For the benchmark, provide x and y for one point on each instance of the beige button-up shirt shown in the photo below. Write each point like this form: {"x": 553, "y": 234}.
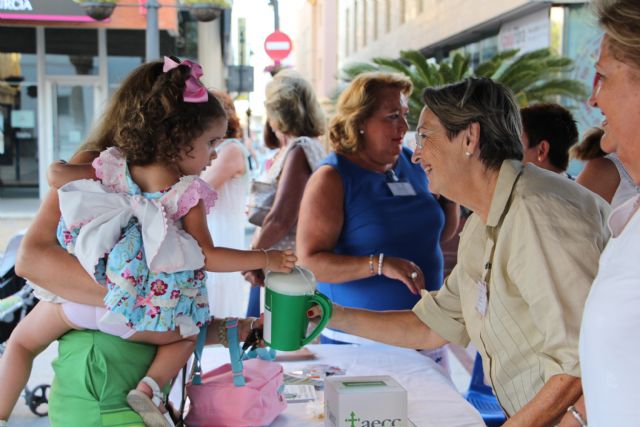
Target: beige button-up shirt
{"x": 539, "y": 254}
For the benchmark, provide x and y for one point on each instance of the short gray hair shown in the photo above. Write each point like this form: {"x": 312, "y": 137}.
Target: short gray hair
{"x": 487, "y": 103}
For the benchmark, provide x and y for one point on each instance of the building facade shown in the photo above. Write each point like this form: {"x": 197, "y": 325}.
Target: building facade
{"x": 316, "y": 56}
{"x": 58, "y": 68}
{"x": 439, "y": 28}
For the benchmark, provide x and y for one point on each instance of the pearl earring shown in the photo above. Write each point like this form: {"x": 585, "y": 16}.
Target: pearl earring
{"x": 361, "y": 131}
{"x": 539, "y": 159}
{"x": 467, "y": 153}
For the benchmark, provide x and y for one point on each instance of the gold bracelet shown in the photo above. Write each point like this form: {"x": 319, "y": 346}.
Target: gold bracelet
{"x": 222, "y": 333}
{"x": 371, "y": 270}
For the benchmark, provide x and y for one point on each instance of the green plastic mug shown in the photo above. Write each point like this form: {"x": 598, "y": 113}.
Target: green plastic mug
{"x": 288, "y": 297}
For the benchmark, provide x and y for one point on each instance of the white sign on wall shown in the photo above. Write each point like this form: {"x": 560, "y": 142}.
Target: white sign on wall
{"x": 528, "y": 33}
{"x": 23, "y": 119}
{"x": 15, "y": 5}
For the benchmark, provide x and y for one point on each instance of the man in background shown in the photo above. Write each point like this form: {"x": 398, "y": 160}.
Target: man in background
{"x": 549, "y": 131}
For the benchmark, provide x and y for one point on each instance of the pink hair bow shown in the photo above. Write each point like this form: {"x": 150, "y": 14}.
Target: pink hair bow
{"x": 194, "y": 90}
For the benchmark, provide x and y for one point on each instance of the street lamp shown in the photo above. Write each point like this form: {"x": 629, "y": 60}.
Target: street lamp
{"x": 152, "y": 34}
{"x": 202, "y": 10}
{"x": 276, "y": 14}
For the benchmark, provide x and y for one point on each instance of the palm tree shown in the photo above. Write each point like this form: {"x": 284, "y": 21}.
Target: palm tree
{"x": 533, "y": 77}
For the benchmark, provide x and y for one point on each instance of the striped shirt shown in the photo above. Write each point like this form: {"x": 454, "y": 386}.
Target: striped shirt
{"x": 538, "y": 254}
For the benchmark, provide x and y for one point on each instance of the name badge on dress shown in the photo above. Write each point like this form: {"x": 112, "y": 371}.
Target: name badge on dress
{"x": 481, "y": 297}
{"x": 401, "y": 188}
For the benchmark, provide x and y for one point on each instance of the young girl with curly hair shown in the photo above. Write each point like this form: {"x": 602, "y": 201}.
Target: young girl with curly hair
{"x": 140, "y": 229}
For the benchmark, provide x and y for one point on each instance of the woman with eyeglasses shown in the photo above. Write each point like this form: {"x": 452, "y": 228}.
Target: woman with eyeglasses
{"x": 526, "y": 259}
{"x": 369, "y": 228}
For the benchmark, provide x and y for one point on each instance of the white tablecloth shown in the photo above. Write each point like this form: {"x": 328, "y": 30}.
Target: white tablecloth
{"x": 433, "y": 399}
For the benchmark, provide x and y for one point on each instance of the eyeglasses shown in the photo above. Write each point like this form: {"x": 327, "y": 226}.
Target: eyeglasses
{"x": 420, "y": 137}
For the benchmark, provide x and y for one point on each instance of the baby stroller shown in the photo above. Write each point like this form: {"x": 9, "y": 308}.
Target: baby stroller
{"x": 16, "y": 300}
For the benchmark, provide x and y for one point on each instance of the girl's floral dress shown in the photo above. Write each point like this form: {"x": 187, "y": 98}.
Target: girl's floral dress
{"x": 134, "y": 243}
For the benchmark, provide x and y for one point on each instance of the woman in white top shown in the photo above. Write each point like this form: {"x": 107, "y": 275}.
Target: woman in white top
{"x": 603, "y": 173}
{"x": 610, "y": 335}
{"x": 229, "y": 175}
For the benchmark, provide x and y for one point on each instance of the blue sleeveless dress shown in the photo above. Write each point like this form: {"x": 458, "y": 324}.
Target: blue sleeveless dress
{"x": 376, "y": 221}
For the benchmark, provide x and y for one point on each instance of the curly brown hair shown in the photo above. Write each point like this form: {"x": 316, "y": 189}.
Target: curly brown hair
{"x": 148, "y": 120}
{"x": 234, "y": 130}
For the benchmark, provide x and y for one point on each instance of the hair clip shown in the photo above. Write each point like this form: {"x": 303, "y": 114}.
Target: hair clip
{"x": 194, "y": 90}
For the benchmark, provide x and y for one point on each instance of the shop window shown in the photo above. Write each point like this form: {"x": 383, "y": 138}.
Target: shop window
{"x": 387, "y": 16}
{"x": 18, "y": 113}
{"x": 126, "y": 51}
{"x": 347, "y": 32}
{"x": 186, "y": 42}
{"x": 356, "y": 41}
{"x": 365, "y": 19}
{"x": 71, "y": 51}
{"x": 375, "y": 19}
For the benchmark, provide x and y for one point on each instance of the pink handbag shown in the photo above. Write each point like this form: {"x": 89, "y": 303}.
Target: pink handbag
{"x": 235, "y": 394}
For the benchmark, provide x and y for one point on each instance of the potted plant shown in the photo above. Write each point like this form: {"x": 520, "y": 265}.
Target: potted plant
{"x": 206, "y": 10}
{"x": 97, "y": 9}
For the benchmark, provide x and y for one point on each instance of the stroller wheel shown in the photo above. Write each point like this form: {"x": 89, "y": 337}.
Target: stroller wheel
{"x": 37, "y": 397}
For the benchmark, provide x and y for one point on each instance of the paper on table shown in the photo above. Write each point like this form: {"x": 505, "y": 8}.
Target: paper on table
{"x": 299, "y": 393}
{"x": 291, "y": 356}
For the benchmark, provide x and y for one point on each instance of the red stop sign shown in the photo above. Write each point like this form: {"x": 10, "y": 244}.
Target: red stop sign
{"x": 278, "y": 45}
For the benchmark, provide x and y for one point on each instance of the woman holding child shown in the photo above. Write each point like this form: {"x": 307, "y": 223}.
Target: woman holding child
{"x": 147, "y": 212}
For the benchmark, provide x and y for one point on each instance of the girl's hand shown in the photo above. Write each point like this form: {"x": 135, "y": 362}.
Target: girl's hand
{"x": 405, "y": 271}
{"x": 280, "y": 261}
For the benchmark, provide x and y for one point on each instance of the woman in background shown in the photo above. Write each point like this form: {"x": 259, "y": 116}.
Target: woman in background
{"x": 603, "y": 173}
{"x": 296, "y": 120}
{"x": 229, "y": 176}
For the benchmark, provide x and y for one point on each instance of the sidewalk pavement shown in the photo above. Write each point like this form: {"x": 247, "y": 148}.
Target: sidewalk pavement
{"x": 41, "y": 373}
{"x": 18, "y": 208}
{"x": 15, "y": 215}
